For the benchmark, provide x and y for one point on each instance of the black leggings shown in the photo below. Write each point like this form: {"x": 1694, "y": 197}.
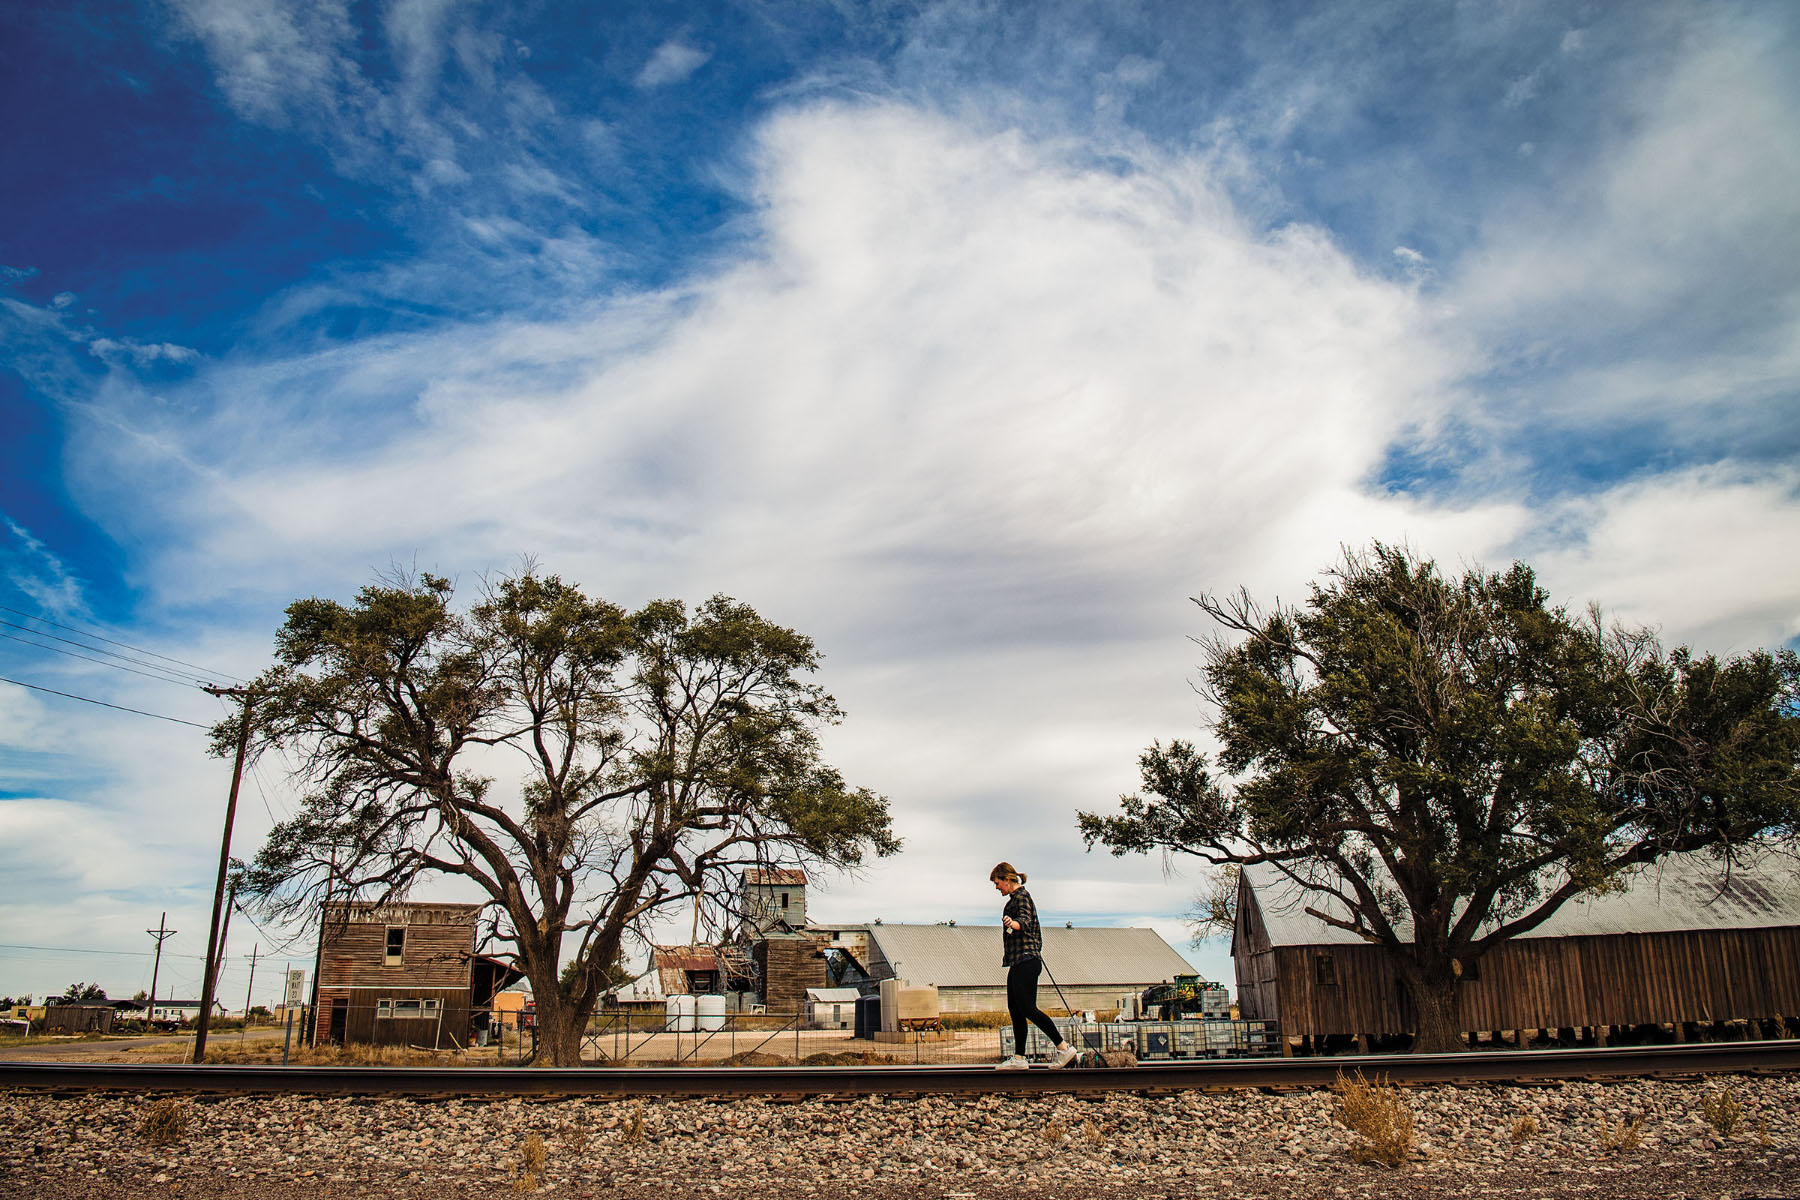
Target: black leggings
{"x": 1021, "y": 1002}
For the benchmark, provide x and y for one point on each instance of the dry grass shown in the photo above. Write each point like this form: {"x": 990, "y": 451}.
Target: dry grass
{"x": 532, "y": 1157}
{"x": 165, "y": 1123}
{"x": 1524, "y": 1129}
{"x": 1055, "y": 1132}
{"x": 1623, "y": 1137}
{"x": 1723, "y": 1112}
{"x": 574, "y": 1139}
{"x": 632, "y": 1132}
{"x": 1092, "y": 1133}
{"x": 1378, "y": 1114}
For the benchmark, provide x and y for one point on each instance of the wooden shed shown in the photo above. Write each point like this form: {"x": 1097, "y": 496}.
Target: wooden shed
{"x": 403, "y": 973}
{"x": 78, "y": 1018}
{"x": 1686, "y": 940}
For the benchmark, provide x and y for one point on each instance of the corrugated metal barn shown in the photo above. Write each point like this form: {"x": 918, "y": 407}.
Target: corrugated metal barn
{"x": 1686, "y": 941}
{"x": 1094, "y": 966}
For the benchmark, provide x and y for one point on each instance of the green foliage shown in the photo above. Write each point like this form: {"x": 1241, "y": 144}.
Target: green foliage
{"x": 664, "y": 751}
{"x": 1444, "y": 761}
{"x": 83, "y": 993}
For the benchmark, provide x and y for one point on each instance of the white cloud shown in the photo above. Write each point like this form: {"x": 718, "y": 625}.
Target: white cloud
{"x": 672, "y": 62}
{"x": 1701, "y": 554}
{"x": 40, "y": 574}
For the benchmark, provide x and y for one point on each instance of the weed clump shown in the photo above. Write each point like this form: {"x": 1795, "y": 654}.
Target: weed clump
{"x": 532, "y": 1157}
{"x": 1092, "y": 1133}
{"x": 1723, "y": 1112}
{"x": 1054, "y": 1132}
{"x": 633, "y": 1131}
{"x": 1524, "y": 1129}
{"x": 165, "y": 1123}
{"x": 1623, "y": 1137}
{"x": 1378, "y": 1114}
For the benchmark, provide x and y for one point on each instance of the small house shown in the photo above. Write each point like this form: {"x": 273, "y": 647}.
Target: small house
{"x": 404, "y": 973}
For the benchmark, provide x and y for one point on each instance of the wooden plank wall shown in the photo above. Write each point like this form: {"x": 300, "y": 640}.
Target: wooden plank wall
{"x": 789, "y": 967}
{"x": 1540, "y": 983}
{"x": 436, "y": 963}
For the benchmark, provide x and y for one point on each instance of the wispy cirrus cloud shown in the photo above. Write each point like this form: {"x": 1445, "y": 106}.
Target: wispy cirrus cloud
{"x": 673, "y": 62}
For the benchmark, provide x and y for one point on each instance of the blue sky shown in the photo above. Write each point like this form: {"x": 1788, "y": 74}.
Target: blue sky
{"x": 970, "y": 338}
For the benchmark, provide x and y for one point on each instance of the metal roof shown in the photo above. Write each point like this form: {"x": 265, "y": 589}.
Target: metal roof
{"x": 831, "y": 995}
{"x": 775, "y": 877}
{"x": 969, "y": 955}
{"x": 1679, "y": 893}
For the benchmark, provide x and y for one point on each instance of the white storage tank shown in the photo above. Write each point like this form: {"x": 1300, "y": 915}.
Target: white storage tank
{"x": 711, "y": 1013}
{"x": 678, "y": 1014}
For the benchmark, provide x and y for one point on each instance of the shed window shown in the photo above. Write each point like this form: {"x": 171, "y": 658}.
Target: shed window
{"x": 396, "y": 945}
{"x": 404, "y": 1009}
{"x": 1325, "y": 970}
{"x": 1471, "y": 970}
{"x": 384, "y": 1008}
{"x": 784, "y": 897}
{"x": 429, "y": 1007}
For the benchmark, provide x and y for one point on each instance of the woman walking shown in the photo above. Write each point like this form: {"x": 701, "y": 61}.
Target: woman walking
{"x": 1023, "y": 944}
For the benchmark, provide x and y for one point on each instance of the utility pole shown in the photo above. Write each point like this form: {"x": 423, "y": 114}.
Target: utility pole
{"x": 248, "y": 988}
{"x": 161, "y": 933}
{"x": 209, "y": 975}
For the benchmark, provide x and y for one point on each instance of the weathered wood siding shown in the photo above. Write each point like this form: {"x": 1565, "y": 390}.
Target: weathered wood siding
{"x": 1537, "y": 983}
{"x": 436, "y": 963}
{"x": 789, "y": 966}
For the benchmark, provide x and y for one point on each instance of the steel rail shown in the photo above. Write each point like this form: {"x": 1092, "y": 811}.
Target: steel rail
{"x": 447, "y": 1082}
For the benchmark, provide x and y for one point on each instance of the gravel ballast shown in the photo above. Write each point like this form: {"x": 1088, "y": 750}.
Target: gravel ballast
{"x": 1189, "y": 1144}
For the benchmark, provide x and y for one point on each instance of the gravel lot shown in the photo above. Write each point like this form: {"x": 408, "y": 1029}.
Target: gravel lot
{"x": 1188, "y": 1145}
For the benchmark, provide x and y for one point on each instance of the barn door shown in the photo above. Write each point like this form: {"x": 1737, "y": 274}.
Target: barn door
{"x": 340, "y": 1018}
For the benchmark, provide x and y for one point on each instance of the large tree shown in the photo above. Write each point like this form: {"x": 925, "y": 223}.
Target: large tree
{"x": 582, "y": 768}
{"x": 1440, "y": 763}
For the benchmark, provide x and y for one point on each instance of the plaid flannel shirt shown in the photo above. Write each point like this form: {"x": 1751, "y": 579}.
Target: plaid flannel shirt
{"x": 1028, "y": 940}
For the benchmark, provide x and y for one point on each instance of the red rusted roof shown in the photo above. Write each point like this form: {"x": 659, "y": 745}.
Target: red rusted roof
{"x": 775, "y": 877}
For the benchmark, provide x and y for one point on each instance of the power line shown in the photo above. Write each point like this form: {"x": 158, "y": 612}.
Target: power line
{"x": 103, "y": 704}
{"x": 122, "y": 645}
{"x": 97, "y": 650}
{"x": 101, "y": 661}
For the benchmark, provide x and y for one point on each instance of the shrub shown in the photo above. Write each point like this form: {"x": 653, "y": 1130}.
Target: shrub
{"x": 1723, "y": 1112}
{"x": 1623, "y": 1137}
{"x": 532, "y": 1156}
{"x": 1377, "y": 1113}
{"x": 164, "y": 1124}
{"x": 633, "y": 1131}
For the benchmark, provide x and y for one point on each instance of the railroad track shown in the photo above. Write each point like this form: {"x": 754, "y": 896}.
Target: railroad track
{"x": 794, "y": 1082}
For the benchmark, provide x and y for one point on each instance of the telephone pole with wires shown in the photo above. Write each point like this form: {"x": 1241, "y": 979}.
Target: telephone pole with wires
{"x": 248, "y": 988}
{"x": 161, "y": 933}
{"x": 210, "y": 974}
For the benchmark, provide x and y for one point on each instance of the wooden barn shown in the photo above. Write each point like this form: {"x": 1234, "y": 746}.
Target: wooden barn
{"x": 1686, "y": 942}
{"x": 404, "y": 974}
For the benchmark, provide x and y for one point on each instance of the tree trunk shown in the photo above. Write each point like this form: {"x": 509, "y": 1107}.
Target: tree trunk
{"x": 1433, "y": 995}
{"x": 559, "y": 1029}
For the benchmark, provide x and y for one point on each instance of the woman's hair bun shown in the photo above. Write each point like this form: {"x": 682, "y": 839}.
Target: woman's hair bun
{"x": 1006, "y": 870}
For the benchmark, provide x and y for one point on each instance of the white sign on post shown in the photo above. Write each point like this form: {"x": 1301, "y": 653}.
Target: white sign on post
{"x": 296, "y": 989}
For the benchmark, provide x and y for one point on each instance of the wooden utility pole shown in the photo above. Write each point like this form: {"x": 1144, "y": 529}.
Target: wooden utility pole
{"x": 210, "y": 974}
{"x": 161, "y": 933}
{"x": 248, "y": 988}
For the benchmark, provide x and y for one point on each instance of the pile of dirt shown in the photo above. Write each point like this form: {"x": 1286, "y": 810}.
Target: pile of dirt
{"x": 849, "y": 1058}
{"x": 755, "y": 1058}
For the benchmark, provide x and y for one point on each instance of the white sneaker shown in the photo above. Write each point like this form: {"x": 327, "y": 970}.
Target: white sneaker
{"x": 1015, "y": 1063}
{"x": 1066, "y": 1055}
